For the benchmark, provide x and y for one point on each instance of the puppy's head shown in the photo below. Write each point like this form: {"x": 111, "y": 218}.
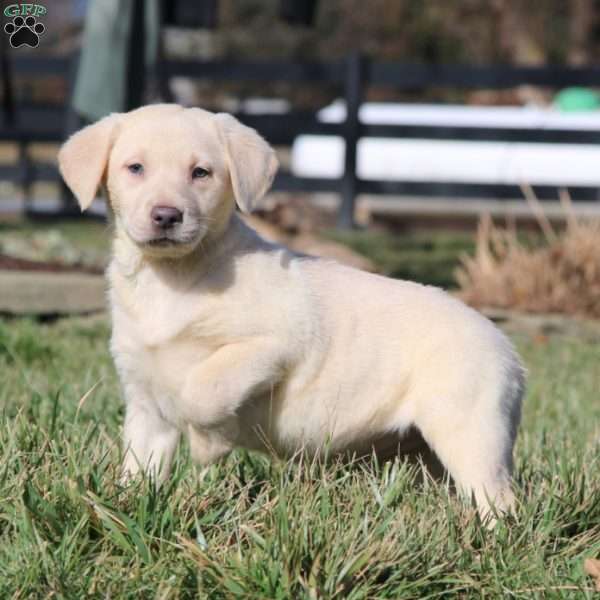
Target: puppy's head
{"x": 173, "y": 174}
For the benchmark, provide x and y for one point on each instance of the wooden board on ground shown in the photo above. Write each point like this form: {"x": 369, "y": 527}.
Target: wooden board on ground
{"x": 45, "y": 293}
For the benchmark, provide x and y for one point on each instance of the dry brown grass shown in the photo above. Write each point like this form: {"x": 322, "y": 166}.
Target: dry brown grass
{"x": 561, "y": 276}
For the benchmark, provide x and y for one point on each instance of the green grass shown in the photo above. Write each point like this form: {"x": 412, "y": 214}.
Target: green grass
{"x": 86, "y": 234}
{"x": 429, "y": 256}
{"x": 69, "y": 241}
{"x": 253, "y": 527}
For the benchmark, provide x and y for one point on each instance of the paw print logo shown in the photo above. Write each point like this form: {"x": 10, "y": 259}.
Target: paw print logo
{"x": 24, "y": 32}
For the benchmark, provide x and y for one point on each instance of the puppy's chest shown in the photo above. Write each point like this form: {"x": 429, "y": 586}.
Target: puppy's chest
{"x": 156, "y": 348}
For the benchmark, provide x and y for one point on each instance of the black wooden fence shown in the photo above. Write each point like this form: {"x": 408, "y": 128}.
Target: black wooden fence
{"x": 352, "y": 77}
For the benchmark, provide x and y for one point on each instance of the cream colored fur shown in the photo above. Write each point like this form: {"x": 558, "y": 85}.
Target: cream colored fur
{"x": 234, "y": 341}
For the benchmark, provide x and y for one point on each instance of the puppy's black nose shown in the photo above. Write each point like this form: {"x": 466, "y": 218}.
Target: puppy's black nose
{"x": 166, "y": 216}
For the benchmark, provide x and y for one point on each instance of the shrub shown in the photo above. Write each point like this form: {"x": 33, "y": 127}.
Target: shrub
{"x": 560, "y": 276}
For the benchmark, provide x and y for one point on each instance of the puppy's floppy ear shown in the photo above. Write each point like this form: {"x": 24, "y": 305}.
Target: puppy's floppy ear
{"x": 83, "y": 158}
{"x": 252, "y": 162}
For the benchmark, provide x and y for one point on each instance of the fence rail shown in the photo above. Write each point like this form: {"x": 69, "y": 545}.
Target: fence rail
{"x": 352, "y": 78}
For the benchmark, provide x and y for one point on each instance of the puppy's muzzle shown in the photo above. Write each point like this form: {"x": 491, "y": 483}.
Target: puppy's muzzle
{"x": 166, "y": 217}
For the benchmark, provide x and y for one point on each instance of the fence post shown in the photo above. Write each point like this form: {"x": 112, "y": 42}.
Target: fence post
{"x": 135, "y": 86}
{"x": 356, "y": 64}
{"x": 8, "y": 97}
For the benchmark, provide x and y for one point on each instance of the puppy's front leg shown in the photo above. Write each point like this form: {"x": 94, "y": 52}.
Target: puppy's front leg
{"x": 218, "y": 386}
{"x": 149, "y": 441}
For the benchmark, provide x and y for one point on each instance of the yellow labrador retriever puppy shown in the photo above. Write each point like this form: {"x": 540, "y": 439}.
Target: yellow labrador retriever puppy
{"x": 234, "y": 341}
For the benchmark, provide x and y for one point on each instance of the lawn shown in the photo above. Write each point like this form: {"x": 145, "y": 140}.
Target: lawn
{"x": 426, "y": 256}
{"x": 255, "y": 527}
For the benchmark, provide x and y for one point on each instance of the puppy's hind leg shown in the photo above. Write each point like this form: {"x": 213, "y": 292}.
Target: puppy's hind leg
{"x": 210, "y": 445}
{"x": 474, "y": 434}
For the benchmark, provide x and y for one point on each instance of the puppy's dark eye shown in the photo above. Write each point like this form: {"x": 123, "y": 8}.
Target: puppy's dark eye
{"x": 200, "y": 173}
{"x": 136, "y": 168}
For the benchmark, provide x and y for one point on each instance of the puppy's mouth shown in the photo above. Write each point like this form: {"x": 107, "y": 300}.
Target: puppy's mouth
{"x": 167, "y": 243}
{"x": 164, "y": 241}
